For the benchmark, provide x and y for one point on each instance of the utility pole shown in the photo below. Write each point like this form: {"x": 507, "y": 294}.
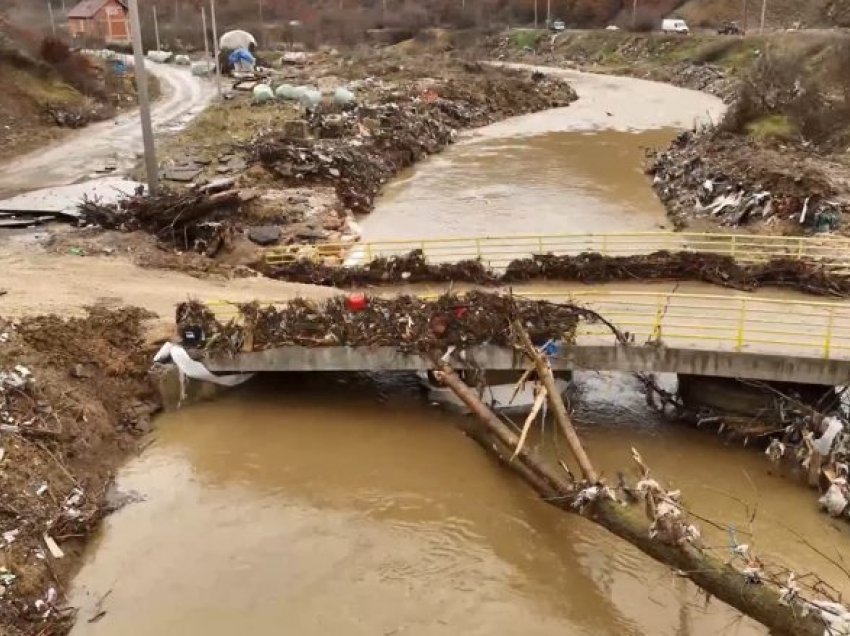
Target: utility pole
{"x": 262, "y": 23}
{"x": 156, "y": 29}
{"x": 206, "y": 38}
{"x": 144, "y": 104}
{"x": 763, "y": 15}
{"x": 215, "y": 49}
{"x": 52, "y": 20}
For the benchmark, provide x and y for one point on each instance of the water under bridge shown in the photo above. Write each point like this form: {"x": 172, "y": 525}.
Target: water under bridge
{"x": 764, "y": 336}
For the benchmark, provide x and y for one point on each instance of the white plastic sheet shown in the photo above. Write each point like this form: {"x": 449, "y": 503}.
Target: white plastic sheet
{"x": 195, "y": 370}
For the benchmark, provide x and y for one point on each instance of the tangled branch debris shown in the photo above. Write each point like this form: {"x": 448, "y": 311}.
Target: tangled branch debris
{"x": 406, "y": 322}
{"x": 186, "y": 220}
{"x": 589, "y": 267}
{"x": 359, "y": 149}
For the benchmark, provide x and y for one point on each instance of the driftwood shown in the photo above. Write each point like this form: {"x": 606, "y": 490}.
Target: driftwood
{"x": 721, "y": 579}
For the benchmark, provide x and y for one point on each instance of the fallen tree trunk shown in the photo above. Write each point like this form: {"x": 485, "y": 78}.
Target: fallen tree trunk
{"x": 721, "y": 579}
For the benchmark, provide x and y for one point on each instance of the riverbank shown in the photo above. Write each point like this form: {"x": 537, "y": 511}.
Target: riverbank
{"x": 776, "y": 169}
{"x": 75, "y": 402}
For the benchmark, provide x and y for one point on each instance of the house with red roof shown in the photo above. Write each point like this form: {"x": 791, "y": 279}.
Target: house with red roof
{"x": 106, "y": 20}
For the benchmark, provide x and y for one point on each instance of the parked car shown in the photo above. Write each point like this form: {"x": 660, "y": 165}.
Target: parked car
{"x": 675, "y": 25}
{"x": 557, "y": 26}
{"x": 730, "y": 28}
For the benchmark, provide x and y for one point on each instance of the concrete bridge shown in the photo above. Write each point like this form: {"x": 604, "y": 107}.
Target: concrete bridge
{"x": 707, "y": 332}
{"x": 720, "y": 335}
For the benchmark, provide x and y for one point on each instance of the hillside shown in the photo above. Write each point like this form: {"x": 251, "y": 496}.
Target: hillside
{"x": 780, "y": 13}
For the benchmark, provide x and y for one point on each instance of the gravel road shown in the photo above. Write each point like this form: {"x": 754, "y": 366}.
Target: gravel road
{"x": 115, "y": 142}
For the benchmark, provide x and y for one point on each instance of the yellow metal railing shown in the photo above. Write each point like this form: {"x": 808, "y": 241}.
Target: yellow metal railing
{"x": 733, "y": 322}
{"x": 498, "y": 251}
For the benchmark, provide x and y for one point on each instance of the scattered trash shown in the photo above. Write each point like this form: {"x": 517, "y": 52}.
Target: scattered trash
{"x": 53, "y": 547}
{"x": 262, "y": 93}
{"x": 707, "y": 174}
{"x": 41, "y": 490}
{"x": 182, "y": 60}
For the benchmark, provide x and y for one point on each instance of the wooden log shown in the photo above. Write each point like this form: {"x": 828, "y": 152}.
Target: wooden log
{"x": 557, "y": 404}
{"x": 526, "y": 460}
{"x": 759, "y": 601}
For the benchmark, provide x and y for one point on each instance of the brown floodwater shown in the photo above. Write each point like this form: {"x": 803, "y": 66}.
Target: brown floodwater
{"x": 348, "y": 505}
{"x": 278, "y": 509}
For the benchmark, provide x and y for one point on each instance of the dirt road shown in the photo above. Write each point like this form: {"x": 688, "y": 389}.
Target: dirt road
{"x": 37, "y": 282}
{"x": 110, "y": 143}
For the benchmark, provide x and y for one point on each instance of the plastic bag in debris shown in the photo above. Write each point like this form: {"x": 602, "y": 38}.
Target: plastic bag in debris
{"x": 310, "y": 98}
{"x": 203, "y": 69}
{"x": 182, "y": 60}
{"x": 823, "y": 444}
{"x": 263, "y": 93}
{"x": 343, "y": 96}
{"x": 285, "y": 91}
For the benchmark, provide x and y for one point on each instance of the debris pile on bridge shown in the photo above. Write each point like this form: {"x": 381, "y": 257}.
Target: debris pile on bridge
{"x": 406, "y": 322}
{"x": 358, "y": 148}
{"x": 198, "y": 220}
{"x": 588, "y": 268}
{"x": 707, "y": 175}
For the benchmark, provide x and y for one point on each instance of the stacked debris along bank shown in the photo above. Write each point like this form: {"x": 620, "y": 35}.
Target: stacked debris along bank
{"x": 74, "y": 396}
{"x": 357, "y": 149}
{"x": 735, "y": 181}
{"x": 587, "y": 268}
{"x": 408, "y": 322}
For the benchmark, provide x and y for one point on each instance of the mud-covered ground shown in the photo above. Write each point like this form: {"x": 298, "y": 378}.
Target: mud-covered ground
{"x": 75, "y": 401}
{"x": 304, "y": 175}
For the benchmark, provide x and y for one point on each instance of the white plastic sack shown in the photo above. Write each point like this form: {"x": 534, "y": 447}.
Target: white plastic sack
{"x": 310, "y": 98}
{"x": 203, "y": 69}
{"x": 823, "y": 444}
{"x": 182, "y": 60}
{"x": 285, "y": 91}
{"x": 343, "y": 96}
{"x": 263, "y": 93}
{"x": 160, "y": 57}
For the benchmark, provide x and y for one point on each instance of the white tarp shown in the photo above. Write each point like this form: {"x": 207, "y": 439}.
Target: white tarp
{"x": 195, "y": 370}
{"x": 233, "y": 40}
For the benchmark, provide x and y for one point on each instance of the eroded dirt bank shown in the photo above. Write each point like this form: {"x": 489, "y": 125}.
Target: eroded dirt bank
{"x": 74, "y": 400}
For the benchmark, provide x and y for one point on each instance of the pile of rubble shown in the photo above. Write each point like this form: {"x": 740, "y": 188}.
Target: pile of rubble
{"x": 357, "y": 148}
{"x": 408, "y": 323}
{"x": 200, "y": 220}
{"x": 728, "y": 179}
{"x": 586, "y": 268}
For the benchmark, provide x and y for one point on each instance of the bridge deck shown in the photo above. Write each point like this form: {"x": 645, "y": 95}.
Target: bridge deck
{"x": 728, "y": 335}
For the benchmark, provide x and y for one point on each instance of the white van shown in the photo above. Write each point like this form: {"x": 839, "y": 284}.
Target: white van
{"x": 675, "y": 25}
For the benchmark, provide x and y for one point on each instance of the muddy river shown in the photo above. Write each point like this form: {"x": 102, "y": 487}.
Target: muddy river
{"x": 348, "y": 505}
